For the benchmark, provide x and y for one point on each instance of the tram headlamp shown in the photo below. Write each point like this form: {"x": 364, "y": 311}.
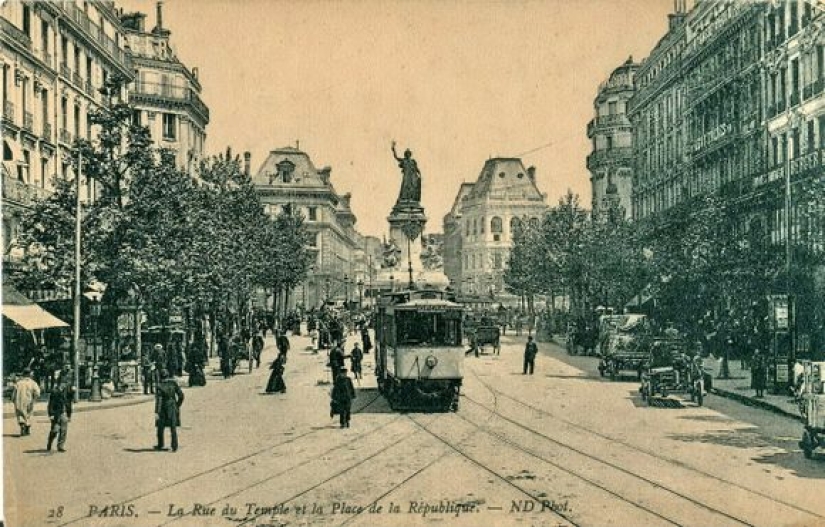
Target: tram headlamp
{"x": 431, "y": 361}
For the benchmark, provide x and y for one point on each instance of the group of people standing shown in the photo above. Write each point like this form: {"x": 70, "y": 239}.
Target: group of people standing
{"x": 61, "y": 396}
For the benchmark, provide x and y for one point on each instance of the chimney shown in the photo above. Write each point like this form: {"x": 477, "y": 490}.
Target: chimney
{"x": 159, "y": 29}
{"x": 531, "y": 173}
{"x": 247, "y": 158}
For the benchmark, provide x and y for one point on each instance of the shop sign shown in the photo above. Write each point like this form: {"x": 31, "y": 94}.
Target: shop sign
{"x": 779, "y": 311}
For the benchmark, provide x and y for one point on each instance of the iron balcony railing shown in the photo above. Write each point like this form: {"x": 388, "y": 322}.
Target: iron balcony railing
{"x": 618, "y": 119}
{"x": 617, "y": 155}
{"x": 15, "y": 34}
{"x": 170, "y": 92}
{"x": 22, "y": 193}
{"x": 109, "y": 45}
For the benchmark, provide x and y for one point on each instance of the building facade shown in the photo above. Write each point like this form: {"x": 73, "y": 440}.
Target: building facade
{"x": 611, "y": 161}
{"x": 288, "y": 181}
{"x": 478, "y": 231}
{"x": 56, "y": 57}
{"x": 166, "y": 94}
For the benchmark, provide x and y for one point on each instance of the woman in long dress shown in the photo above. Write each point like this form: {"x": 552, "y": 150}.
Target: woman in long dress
{"x": 276, "y": 378}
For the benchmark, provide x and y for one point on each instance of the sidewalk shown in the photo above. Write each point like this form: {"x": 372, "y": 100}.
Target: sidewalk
{"x": 738, "y": 388}
{"x": 212, "y": 371}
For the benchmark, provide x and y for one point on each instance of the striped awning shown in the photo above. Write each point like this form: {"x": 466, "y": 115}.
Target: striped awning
{"x": 27, "y": 314}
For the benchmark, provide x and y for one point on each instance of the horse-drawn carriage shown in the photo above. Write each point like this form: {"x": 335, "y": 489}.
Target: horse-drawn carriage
{"x": 481, "y": 332}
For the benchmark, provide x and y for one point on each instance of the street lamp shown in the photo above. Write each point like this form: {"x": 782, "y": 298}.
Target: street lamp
{"x": 360, "y": 285}
{"x": 94, "y": 311}
{"x": 346, "y": 290}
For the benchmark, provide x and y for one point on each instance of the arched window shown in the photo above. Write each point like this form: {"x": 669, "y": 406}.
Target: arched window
{"x": 515, "y": 223}
{"x": 495, "y": 225}
{"x": 481, "y": 225}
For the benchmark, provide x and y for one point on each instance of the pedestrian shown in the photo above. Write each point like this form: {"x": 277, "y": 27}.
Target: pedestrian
{"x": 315, "y": 339}
{"x": 257, "y": 348}
{"x": 365, "y": 339}
{"x": 60, "y": 410}
{"x": 282, "y": 342}
{"x": 148, "y": 372}
{"x": 336, "y": 360}
{"x": 223, "y": 353}
{"x": 758, "y": 373}
{"x": 343, "y": 392}
{"x": 530, "y": 352}
{"x": 356, "y": 356}
{"x": 276, "y": 378}
{"x": 26, "y": 392}
{"x": 168, "y": 400}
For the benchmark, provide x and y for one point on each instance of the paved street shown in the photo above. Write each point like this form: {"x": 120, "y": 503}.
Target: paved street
{"x": 561, "y": 447}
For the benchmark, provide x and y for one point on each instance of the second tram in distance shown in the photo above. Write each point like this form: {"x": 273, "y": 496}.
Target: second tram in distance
{"x": 419, "y": 352}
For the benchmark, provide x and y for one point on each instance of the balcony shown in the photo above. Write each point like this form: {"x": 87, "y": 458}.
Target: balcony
{"x": 47, "y": 132}
{"x": 78, "y": 80}
{"x": 66, "y": 71}
{"x": 606, "y": 121}
{"x": 14, "y": 34}
{"x": 21, "y": 193}
{"x": 28, "y": 121}
{"x": 8, "y": 111}
{"x": 65, "y": 136}
{"x": 96, "y": 34}
{"x": 167, "y": 94}
{"x": 614, "y": 156}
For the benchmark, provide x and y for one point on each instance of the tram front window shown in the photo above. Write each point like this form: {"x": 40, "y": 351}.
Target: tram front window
{"x": 428, "y": 329}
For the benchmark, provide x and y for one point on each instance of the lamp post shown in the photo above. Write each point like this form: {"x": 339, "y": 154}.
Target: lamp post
{"x": 346, "y": 290}
{"x": 94, "y": 311}
{"x": 360, "y": 285}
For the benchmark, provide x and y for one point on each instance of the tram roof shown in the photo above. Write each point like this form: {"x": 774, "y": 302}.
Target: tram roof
{"x": 429, "y": 303}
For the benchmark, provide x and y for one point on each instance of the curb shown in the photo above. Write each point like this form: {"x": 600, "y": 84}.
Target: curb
{"x": 90, "y": 407}
{"x": 757, "y": 403}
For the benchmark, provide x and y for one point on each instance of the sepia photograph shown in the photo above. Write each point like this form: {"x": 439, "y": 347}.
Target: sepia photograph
{"x": 401, "y": 263}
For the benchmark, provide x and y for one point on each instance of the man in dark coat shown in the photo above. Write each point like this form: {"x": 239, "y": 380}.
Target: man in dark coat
{"x": 168, "y": 400}
{"x": 365, "y": 339}
{"x": 257, "y": 348}
{"x": 343, "y": 392}
{"x": 759, "y": 373}
{"x": 530, "y": 352}
{"x": 336, "y": 360}
{"x": 60, "y": 411}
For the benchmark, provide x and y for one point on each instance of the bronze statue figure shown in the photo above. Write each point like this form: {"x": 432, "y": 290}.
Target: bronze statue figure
{"x": 411, "y": 182}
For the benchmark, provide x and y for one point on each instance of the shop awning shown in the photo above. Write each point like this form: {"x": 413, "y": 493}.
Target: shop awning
{"x": 27, "y": 314}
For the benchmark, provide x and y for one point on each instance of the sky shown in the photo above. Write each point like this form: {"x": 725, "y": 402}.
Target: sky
{"x": 457, "y": 82}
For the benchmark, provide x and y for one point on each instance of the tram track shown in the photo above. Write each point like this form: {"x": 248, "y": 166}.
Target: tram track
{"x": 228, "y": 464}
{"x": 629, "y": 473}
{"x": 676, "y": 462}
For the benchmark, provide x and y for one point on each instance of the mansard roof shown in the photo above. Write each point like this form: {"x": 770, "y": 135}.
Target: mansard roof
{"x": 304, "y": 174}
{"x": 506, "y": 179}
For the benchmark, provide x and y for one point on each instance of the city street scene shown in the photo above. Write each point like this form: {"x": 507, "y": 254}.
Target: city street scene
{"x": 391, "y": 263}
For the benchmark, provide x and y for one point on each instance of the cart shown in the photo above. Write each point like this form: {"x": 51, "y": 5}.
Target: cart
{"x": 625, "y": 346}
{"x": 813, "y": 408}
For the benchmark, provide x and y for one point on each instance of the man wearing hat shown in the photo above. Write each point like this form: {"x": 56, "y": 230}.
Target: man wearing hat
{"x": 26, "y": 392}
{"x": 343, "y": 392}
{"x": 168, "y": 400}
{"x": 60, "y": 409}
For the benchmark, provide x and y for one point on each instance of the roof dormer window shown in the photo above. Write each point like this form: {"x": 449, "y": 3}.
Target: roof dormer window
{"x": 285, "y": 170}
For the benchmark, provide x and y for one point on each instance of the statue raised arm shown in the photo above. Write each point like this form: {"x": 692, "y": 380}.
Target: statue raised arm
{"x": 411, "y": 181}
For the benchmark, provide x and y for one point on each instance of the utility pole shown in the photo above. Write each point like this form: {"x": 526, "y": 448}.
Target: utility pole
{"x": 77, "y": 238}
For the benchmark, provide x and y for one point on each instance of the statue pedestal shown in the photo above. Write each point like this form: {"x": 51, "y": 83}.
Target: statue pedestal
{"x": 407, "y": 222}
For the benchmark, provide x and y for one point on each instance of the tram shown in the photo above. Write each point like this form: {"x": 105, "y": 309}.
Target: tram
{"x": 419, "y": 353}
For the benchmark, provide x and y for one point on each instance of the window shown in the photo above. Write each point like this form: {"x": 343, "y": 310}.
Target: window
{"x": 136, "y": 117}
{"x": 64, "y": 113}
{"x": 481, "y": 225}
{"x": 170, "y": 127}
{"x": 497, "y": 260}
{"x": 23, "y": 168}
{"x": 501, "y": 174}
{"x": 76, "y": 121}
{"x": 811, "y": 136}
{"x": 44, "y": 38}
{"x": 429, "y": 329}
{"x": 27, "y": 20}
{"x": 312, "y": 212}
{"x": 611, "y": 108}
{"x": 64, "y": 51}
{"x": 89, "y": 70}
{"x": 608, "y": 142}
{"x": 313, "y": 239}
{"x": 285, "y": 170}
{"x": 44, "y": 170}
{"x": 495, "y": 225}
{"x": 515, "y": 224}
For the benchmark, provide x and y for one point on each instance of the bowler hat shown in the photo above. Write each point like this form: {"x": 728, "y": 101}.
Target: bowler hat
{"x": 27, "y": 371}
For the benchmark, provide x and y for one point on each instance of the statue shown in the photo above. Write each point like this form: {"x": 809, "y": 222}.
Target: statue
{"x": 411, "y": 182}
{"x": 391, "y": 253}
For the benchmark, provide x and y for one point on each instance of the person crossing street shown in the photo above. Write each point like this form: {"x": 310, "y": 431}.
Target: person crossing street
{"x": 60, "y": 411}
{"x": 168, "y": 400}
{"x": 26, "y": 392}
{"x": 530, "y": 352}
